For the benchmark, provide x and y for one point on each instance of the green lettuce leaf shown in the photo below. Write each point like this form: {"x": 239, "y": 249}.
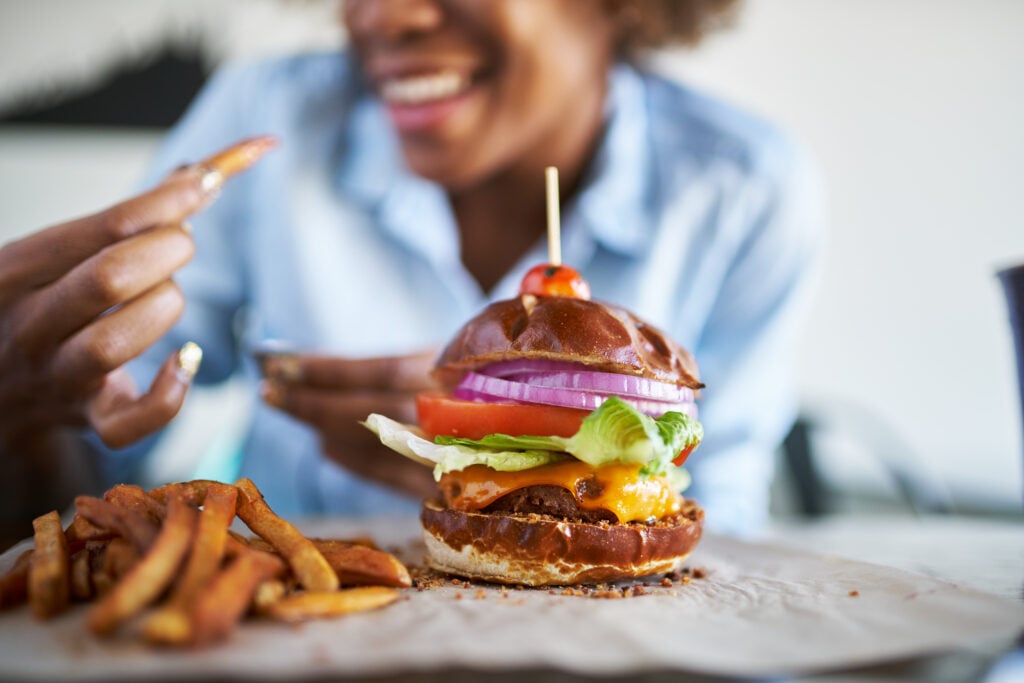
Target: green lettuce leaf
{"x": 410, "y": 442}
{"x": 614, "y": 433}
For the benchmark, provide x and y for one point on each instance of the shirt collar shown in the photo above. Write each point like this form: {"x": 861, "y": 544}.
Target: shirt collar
{"x": 613, "y": 207}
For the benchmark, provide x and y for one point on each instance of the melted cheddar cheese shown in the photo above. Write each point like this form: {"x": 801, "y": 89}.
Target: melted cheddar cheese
{"x": 618, "y": 488}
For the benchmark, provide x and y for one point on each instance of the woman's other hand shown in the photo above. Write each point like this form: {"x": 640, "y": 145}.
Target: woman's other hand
{"x": 335, "y": 394}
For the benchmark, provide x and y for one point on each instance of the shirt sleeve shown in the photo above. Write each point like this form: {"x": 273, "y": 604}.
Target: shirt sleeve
{"x": 749, "y": 347}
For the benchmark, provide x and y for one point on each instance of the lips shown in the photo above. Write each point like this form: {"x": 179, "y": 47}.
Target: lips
{"x": 424, "y": 100}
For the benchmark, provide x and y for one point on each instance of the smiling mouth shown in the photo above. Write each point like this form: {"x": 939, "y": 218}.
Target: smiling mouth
{"x": 423, "y": 88}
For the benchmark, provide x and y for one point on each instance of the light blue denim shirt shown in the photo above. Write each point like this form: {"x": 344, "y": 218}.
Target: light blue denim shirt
{"x": 698, "y": 217}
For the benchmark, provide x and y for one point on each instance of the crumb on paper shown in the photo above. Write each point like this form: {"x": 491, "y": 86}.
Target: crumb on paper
{"x": 854, "y": 593}
{"x": 426, "y": 579}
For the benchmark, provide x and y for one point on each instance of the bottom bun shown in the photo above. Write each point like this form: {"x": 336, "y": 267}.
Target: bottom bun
{"x": 540, "y": 550}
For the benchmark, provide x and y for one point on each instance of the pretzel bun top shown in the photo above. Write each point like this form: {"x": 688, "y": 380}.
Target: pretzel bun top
{"x": 601, "y": 336}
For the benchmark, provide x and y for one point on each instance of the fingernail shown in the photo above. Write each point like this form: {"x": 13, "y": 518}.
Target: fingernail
{"x": 210, "y": 180}
{"x": 186, "y": 226}
{"x": 283, "y": 367}
{"x": 272, "y": 393}
{"x": 189, "y": 358}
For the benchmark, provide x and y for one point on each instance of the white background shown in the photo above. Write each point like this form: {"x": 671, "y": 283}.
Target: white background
{"x": 914, "y": 109}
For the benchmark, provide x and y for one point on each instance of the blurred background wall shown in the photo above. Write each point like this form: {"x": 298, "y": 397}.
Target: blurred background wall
{"x": 914, "y": 109}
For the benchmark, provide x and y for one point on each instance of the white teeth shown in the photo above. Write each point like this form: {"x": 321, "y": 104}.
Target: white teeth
{"x": 419, "y": 89}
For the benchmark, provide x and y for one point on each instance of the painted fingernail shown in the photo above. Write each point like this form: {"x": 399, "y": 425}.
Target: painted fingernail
{"x": 189, "y": 358}
{"x": 272, "y": 393}
{"x": 210, "y": 180}
{"x": 283, "y": 367}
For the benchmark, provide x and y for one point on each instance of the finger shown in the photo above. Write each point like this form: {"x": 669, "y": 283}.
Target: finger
{"x": 121, "y": 417}
{"x": 395, "y": 373}
{"x": 117, "y": 274}
{"x": 116, "y": 338}
{"x": 366, "y": 457}
{"x": 332, "y": 410}
{"x": 44, "y": 256}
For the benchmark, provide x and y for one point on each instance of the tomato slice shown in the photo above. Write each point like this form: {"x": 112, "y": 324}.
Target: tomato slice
{"x": 683, "y": 455}
{"x": 443, "y": 414}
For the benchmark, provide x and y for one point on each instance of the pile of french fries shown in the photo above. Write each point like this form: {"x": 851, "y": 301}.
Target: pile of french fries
{"x": 168, "y": 562}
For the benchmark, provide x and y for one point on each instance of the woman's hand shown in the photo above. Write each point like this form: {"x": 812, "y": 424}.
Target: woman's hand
{"x": 335, "y": 394}
{"x": 80, "y": 299}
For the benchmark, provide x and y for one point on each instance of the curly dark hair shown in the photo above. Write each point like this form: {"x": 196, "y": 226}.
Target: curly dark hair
{"x": 646, "y": 25}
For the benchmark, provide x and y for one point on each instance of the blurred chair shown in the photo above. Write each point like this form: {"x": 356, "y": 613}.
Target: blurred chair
{"x": 910, "y": 486}
{"x": 812, "y": 494}
{"x": 1013, "y": 287}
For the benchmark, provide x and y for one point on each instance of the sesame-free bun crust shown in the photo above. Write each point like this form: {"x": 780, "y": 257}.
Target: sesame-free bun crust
{"x": 598, "y": 335}
{"x": 539, "y": 550}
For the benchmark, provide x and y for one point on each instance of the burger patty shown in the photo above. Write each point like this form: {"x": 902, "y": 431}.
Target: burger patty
{"x": 549, "y": 500}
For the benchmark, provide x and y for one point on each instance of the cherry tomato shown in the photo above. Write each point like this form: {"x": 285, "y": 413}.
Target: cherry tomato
{"x": 443, "y": 414}
{"x": 550, "y": 280}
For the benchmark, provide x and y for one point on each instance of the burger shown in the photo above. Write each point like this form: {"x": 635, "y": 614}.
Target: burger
{"x": 557, "y": 442}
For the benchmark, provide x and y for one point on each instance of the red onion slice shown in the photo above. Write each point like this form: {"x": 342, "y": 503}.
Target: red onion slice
{"x": 573, "y": 376}
{"x": 475, "y": 386}
{"x": 521, "y": 365}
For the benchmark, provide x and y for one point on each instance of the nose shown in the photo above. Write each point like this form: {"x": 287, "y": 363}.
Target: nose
{"x": 391, "y": 20}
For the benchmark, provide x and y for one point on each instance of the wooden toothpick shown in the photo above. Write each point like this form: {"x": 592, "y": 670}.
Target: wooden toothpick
{"x": 554, "y": 222}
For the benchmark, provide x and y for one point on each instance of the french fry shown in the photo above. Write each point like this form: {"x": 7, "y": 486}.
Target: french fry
{"x": 49, "y": 581}
{"x": 170, "y": 624}
{"x": 364, "y": 541}
{"x": 257, "y": 543}
{"x": 229, "y": 594}
{"x": 81, "y": 575}
{"x": 210, "y": 541}
{"x": 319, "y": 605}
{"x": 102, "y": 583}
{"x": 14, "y": 583}
{"x": 151, "y": 575}
{"x": 82, "y": 530}
{"x": 126, "y": 550}
{"x": 119, "y": 558}
{"x": 237, "y": 544}
{"x": 134, "y": 498}
{"x": 307, "y": 563}
{"x": 99, "y": 576}
{"x": 192, "y": 492}
{"x": 357, "y": 565}
{"x": 267, "y": 593}
{"x": 129, "y": 524}
{"x": 240, "y": 156}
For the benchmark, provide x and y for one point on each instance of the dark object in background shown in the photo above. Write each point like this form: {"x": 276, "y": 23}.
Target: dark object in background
{"x": 1013, "y": 287}
{"x": 153, "y": 94}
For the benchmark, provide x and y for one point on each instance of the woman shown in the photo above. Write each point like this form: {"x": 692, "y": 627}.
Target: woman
{"x": 407, "y": 192}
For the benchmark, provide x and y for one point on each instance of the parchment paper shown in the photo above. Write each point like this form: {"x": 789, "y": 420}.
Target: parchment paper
{"x": 761, "y": 610}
